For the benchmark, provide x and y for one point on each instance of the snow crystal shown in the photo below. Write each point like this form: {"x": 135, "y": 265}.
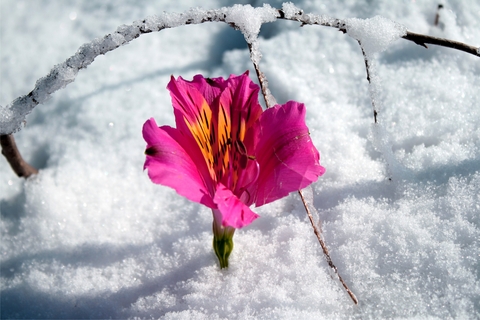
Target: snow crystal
{"x": 170, "y": 20}
{"x": 375, "y": 34}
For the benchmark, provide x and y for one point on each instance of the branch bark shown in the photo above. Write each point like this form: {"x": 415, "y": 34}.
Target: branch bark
{"x": 11, "y": 153}
{"x": 422, "y": 40}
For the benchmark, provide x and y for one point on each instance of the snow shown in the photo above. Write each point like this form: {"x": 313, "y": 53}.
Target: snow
{"x": 249, "y": 20}
{"x": 375, "y": 34}
{"x": 290, "y": 10}
{"x": 91, "y": 237}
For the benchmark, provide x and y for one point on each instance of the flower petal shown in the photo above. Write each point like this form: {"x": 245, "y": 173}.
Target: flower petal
{"x": 210, "y": 88}
{"x": 234, "y": 212}
{"x": 194, "y": 118}
{"x": 239, "y": 101}
{"x": 169, "y": 164}
{"x": 238, "y": 111}
{"x": 190, "y": 107}
{"x": 287, "y": 157}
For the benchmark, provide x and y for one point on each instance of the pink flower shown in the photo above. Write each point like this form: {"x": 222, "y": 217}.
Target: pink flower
{"x": 227, "y": 153}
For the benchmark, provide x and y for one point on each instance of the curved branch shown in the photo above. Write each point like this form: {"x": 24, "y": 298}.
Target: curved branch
{"x": 11, "y": 153}
{"x": 13, "y": 115}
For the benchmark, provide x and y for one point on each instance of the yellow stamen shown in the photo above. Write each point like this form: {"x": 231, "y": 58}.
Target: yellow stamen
{"x": 222, "y": 149}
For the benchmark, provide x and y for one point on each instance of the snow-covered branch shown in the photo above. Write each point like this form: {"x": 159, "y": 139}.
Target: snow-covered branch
{"x": 245, "y": 18}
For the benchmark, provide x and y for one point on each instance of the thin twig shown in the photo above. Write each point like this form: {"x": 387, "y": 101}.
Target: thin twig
{"x": 13, "y": 156}
{"x": 437, "y": 16}
{"x": 422, "y": 40}
{"x": 325, "y": 250}
{"x": 315, "y": 229}
{"x": 367, "y": 67}
{"x": 261, "y": 78}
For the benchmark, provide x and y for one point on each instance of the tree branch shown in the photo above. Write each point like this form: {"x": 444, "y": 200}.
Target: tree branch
{"x": 422, "y": 40}
{"x": 325, "y": 250}
{"x": 10, "y": 151}
{"x": 262, "y": 79}
{"x": 367, "y": 67}
{"x": 61, "y": 75}
{"x": 268, "y": 101}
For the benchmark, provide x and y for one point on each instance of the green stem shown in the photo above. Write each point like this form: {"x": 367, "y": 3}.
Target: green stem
{"x": 222, "y": 239}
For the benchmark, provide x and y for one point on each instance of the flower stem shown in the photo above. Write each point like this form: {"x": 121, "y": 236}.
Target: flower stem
{"x": 223, "y": 246}
{"x": 222, "y": 239}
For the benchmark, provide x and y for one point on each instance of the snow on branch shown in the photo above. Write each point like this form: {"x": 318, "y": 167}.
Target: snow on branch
{"x": 245, "y": 18}
{"x": 242, "y": 17}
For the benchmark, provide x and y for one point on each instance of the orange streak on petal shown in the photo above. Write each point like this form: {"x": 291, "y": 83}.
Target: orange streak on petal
{"x": 201, "y": 128}
{"x": 224, "y": 142}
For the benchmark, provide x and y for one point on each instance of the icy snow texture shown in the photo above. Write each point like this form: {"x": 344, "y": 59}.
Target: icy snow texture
{"x": 92, "y": 237}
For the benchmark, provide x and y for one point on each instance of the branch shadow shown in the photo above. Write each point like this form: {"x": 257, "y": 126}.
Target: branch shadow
{"x": 97, "y": 256}
{"x": 12, "y": 211}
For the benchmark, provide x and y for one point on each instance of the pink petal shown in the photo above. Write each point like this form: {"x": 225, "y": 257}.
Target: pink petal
{"x": 287, "y": 157}
{"x": 238, "y": 111}
{"x": 169, "y": 164}
{"x": 234, "y": 213}
{"x": 240, "y": 100}
{"x": 210, "y": 88}
{"x": 188, "y": 105}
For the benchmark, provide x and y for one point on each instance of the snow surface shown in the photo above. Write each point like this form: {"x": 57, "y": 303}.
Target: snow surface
{"x": 92, "y": 237}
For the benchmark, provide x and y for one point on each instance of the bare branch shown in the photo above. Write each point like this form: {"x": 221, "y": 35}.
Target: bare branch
{"x": 262, "y": 79}
{"x": 325, "y": 250}
{"x": 422, "y": 40}
{"x": 437, "y": 15}
{"x": 367, "y": 67}
{"x": 10, "y": 151}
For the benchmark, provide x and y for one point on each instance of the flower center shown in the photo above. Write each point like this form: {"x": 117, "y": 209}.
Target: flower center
{"x": 220, "y": 139}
